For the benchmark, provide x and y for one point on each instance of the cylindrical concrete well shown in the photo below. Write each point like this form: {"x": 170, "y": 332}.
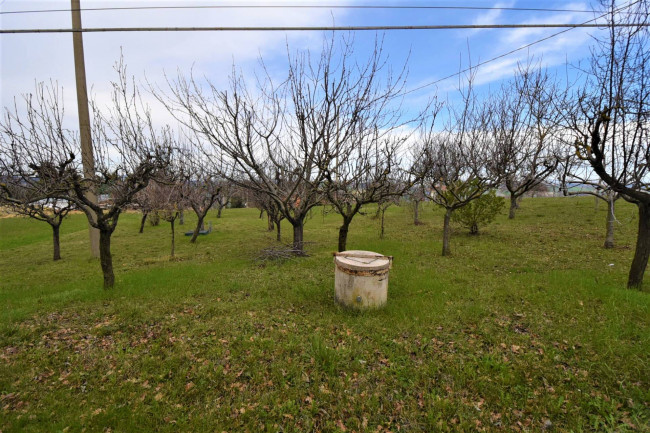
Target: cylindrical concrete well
{"x": 361, "y": 278}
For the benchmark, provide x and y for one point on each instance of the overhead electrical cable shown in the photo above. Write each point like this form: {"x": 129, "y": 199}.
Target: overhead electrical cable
{"x": 587, "y": 24}
{"x": 523, "y": 47}
{"x": 405, "y": 7}
{"x": 569, "y": 26}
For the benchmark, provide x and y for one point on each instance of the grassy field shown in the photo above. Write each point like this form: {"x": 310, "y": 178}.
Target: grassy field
{"x": 527, "y": 327}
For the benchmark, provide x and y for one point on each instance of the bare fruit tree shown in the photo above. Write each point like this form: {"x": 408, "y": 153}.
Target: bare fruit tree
{"x": 247, "y": 131}
{"x": 273, "y": 215}
{"x": 143, "y": 200}
{"x": 167, "y": 200}
{"x": 576, "y": 178}
{"x": 200, "y": 182}
{"x": 226, "y": 191}
{"x": 524, "y": 124}
{"x": 610, "y": 115}
{"x": 36, "y": 154}
{"x": 282, "y": 140}
{"x": 382, "y": 206}
{"x": 128, "y": 151}
{"x": 460, "y": 160}
{"x": 416, "y": 197}
{"x": 49, "y": 210}
{"x": 369, "y": 171}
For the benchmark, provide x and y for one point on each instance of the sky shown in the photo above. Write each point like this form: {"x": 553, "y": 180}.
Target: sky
{"x": 428, "y": 54}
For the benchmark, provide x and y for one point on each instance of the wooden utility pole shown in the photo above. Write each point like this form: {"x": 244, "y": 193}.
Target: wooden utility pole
{"x": 87, "y": 157}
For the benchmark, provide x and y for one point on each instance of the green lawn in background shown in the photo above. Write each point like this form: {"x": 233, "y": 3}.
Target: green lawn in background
{"x": 526, "y": 327}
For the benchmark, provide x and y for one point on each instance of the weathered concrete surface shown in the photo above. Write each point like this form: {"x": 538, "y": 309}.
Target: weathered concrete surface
{"x": 361, "y": 279}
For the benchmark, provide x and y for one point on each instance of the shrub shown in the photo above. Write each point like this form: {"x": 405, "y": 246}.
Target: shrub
{"x": 479, "y": 212}
{"x": 237, "y": 202}
{"x": 154, "y": 218}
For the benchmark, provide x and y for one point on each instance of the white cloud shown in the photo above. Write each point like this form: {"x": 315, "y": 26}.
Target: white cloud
{"x": 41, "y": 57}
{"x": 490, "y": 17}
{"x": 549, "y": 53}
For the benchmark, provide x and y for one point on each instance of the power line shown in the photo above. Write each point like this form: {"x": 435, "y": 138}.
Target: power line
{"x": 455, "y": 74}
{"x": 319, "y": 28}
{"x": 587, "y": 24}
{"x": 523, "y": 47}
{"x": 406, "y": 7}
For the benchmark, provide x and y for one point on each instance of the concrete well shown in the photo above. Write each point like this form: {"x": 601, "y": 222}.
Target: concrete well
{"x": 361, "y": 278}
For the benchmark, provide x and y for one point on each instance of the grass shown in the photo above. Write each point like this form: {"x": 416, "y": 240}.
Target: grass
{"x": 527, "y": 327}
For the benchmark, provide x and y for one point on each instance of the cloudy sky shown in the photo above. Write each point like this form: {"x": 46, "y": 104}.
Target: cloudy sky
{"x": 431, "y": 54}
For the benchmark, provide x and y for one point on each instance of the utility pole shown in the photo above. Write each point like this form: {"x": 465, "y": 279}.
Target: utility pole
{"x": 87, "y": 157}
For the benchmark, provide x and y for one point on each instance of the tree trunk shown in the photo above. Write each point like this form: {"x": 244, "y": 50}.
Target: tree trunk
{"x": 609, "y": 239}
{"x": 642, "y": 252}
{"x": 416, "y": 212}
{"x": 174, "y": 237}
{"x": 473, "y": 230}
{"x": 513, "y": 206}
{"x": 199, "y": 224}
{"x": 278, "y": 232}
{"x": 55, "y": 241}
{"x": 144, "y": 218}
{"x": 381, "y": 233}
{"x": 446, "y": 233}
{"x": 343, "y": 234}
{"x": 181, "y": 218}
{"x": 106, "y": 259}
{"x": 271, "y": 224}
{"x": 261, "y": 213}
{"x": 298, "y": 229}
{"x": 596, "y": 203}
{"x": 219, "y": 208}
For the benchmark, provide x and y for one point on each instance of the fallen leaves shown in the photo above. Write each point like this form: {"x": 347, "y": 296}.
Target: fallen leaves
{"x": 12, "y": 402}
{"x": 390, "y": 382}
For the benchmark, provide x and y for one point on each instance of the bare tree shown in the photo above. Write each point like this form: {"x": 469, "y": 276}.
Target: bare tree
{"x": 362, "y": 134}
{"x": 247, "y": 132}
{"x": 49, "y": 210}
{"x": 285, "y": 139}
{"x": 144, "y": 202}
{"x": 524, "y": 124}
{"x": 17, "y": 197}
{"x": 610, "y": 117}
{"x": 273, "y": 215}
{"x": 200, "y": 182}
{"x": 226, "y": 191}
{"x": 576, "y": 178}
{"x": 167, "y": 200}
{"x": 35, "y": 159}
{"x": 382, "y": 206}
{"x": 128, "y": 154}
{"x": 460, "y": 160}
{"x": 368, "y": 172}
{"x": 415, "y": 197}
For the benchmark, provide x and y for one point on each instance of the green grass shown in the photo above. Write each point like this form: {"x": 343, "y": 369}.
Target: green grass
{"x": 527, "y": 327}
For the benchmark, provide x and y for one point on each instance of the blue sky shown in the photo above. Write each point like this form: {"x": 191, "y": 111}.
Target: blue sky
{"x": 431, "y": 54}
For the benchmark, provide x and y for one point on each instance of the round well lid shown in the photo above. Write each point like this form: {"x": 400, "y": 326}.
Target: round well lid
{"x": 359, "y": 260}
